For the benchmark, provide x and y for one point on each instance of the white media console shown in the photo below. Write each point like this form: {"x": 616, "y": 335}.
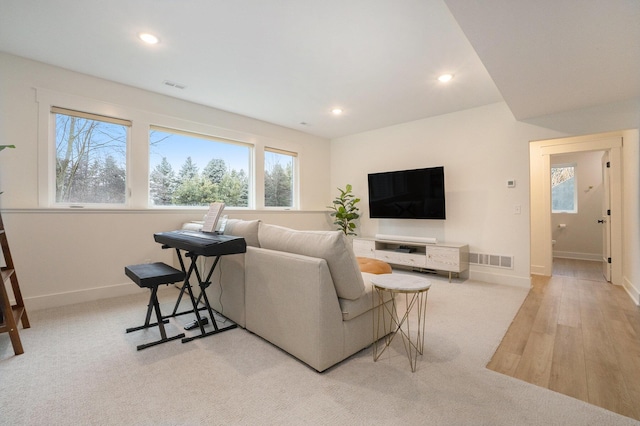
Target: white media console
{"x": 415, "y": 253}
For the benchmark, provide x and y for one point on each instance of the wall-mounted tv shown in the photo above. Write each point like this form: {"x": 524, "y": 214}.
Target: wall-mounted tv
{"x": 407, "y": 194}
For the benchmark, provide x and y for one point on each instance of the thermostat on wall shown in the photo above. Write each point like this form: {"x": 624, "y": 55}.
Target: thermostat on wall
{"x": 511, "y": 183}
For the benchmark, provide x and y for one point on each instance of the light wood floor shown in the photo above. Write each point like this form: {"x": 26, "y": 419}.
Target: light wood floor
{"x": 578, "y": 335}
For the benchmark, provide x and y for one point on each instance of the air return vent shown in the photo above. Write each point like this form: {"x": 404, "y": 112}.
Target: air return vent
{"x": 493, "y": 260}
{"x": 174, "y": 84}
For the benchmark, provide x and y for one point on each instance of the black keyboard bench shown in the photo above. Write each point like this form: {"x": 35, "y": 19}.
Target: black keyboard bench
{"x": 152, "y": 275}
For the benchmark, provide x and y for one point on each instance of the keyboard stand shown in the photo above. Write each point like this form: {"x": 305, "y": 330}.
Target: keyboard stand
{"x": 202, "y": 297}
{"x": 183, "y": 288}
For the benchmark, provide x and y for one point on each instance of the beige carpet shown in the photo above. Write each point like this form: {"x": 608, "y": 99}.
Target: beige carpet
{"x": 80, "y": 368}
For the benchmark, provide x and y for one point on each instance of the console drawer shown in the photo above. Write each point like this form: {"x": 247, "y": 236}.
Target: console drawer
{"x": 364, "y": 248}
{"x": 443, "y": 258}
{"x": 418, "y": 260}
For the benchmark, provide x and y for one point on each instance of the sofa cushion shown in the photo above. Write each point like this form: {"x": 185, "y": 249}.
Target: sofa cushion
{"x": 247, "y": 229}
{"x": 333, "y": 246}
{"x": 354, "y": 308}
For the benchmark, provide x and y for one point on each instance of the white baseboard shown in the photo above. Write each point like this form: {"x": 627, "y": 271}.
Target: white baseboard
{"x": 632, "y": 290}
{"x": 578, "y": 256}
{"x": 497, "y": 278}
{"x": 538, "y": 270}
{"x": 80, "y": 296}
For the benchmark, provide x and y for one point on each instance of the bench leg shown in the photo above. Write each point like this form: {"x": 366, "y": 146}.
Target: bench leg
{"x": 155, "y": 305}
{"x": 150, "y": 306}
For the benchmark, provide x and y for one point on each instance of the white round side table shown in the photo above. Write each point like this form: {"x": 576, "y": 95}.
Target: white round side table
{"x": 415, "y": 290}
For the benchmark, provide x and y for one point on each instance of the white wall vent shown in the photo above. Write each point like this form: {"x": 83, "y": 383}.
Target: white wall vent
{"x": 174, "y": 84}
{"x": 493, "y": 260}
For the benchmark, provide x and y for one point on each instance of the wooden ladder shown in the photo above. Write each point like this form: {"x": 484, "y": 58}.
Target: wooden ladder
{"x": 11, "y": 315}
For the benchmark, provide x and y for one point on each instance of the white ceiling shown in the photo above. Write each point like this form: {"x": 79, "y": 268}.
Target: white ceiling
{"x": 291, "y": 61}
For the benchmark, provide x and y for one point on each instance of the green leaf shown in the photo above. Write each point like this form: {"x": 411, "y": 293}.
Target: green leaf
{"x": 345, "y": 210}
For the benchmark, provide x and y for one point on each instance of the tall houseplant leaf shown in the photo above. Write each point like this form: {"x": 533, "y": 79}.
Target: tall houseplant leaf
{"x": 345, "y": 211}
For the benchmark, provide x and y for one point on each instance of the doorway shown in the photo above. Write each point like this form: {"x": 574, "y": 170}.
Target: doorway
{"x": 540, "y": 154}
{"x": 578, "y": 193}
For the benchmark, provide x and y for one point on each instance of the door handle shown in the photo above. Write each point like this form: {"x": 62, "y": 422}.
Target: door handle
{"x": 600, "y": 220}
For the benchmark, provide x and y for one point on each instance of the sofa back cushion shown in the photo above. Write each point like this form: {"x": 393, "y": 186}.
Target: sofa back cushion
{"x": 247, "y": 229}
{"x": 333, "y": 246}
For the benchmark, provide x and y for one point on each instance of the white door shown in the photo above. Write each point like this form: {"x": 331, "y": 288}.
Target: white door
{"x": 605, "y": 220}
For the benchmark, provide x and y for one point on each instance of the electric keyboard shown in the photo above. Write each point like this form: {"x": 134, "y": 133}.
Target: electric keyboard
{"x": 202, "y": 243}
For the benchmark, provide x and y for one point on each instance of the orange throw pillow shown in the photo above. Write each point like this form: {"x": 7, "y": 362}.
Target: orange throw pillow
{"x": 373, "y": 266}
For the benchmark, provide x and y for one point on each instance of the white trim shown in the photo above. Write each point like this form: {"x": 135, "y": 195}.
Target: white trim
{"x": 596, "y": 257}
{"x": 183, "y": 210}
{"x": 138, "y": 153}
{"x": 47, "y": 100}
{"x": 295, "y": 203}
{"x": 539, "y": 270}
{"x": 280, "y": 151}
{"x": 199, "y": 135}
{"x": 88, "y": 116}
{"x": 632, "y": 290}
{"x": 540, "y": 152}
{"x": 80, "y": 296}
{"x": 498, "y": 278}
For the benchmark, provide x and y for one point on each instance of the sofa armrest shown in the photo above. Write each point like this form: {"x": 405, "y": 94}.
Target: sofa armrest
{"x": 291, "y": 301}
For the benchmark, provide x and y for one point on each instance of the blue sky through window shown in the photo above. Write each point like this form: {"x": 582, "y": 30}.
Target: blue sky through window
{"x": 177, "y": 147}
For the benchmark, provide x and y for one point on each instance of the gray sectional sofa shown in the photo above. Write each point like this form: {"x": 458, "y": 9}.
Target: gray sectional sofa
{"x": 300, "y": 290}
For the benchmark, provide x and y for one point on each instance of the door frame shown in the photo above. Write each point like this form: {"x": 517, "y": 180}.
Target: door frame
{"x": 605, "y": 209}
{"x": 540, "y": 196}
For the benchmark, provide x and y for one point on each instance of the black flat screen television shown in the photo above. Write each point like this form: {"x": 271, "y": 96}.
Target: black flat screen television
{"x": 407, "y": 194}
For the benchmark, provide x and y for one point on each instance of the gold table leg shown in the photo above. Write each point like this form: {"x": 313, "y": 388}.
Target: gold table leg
{"x": 395, "y": 324}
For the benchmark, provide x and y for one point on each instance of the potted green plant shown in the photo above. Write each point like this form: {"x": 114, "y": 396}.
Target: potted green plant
{"x": 345, "y": 211}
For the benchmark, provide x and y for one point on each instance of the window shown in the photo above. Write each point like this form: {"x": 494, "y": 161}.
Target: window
{"x": 564, "y": 194}
{"x": 278, "y": 178}
{"x": 91, "y": 152}
{"x": 99, "y": 155}
{"x": 189, "y": 169}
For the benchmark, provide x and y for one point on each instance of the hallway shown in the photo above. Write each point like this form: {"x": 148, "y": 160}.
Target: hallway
{"x": 578, "y": 335}
{"x": 582, "y": 269}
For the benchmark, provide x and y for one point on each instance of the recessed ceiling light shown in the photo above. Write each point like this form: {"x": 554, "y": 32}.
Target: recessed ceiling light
{"x": 336, "y": 111}
{"x": 445, "y": 78}
{"x": 148, "y": 38}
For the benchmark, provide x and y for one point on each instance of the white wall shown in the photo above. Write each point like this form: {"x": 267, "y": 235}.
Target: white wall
{"x": 66, "y": 256}
{"x": 581, "y": 238}
{"x": 480, "y": 150}
{"x": 19, "y": 125}
{"x": 631, "y": 214}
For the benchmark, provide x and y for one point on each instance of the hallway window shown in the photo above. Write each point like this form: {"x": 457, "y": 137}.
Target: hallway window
{"x": 564, "y": 195}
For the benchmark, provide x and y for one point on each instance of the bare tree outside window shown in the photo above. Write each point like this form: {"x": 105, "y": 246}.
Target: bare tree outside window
{"x": 90, "y": 159}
